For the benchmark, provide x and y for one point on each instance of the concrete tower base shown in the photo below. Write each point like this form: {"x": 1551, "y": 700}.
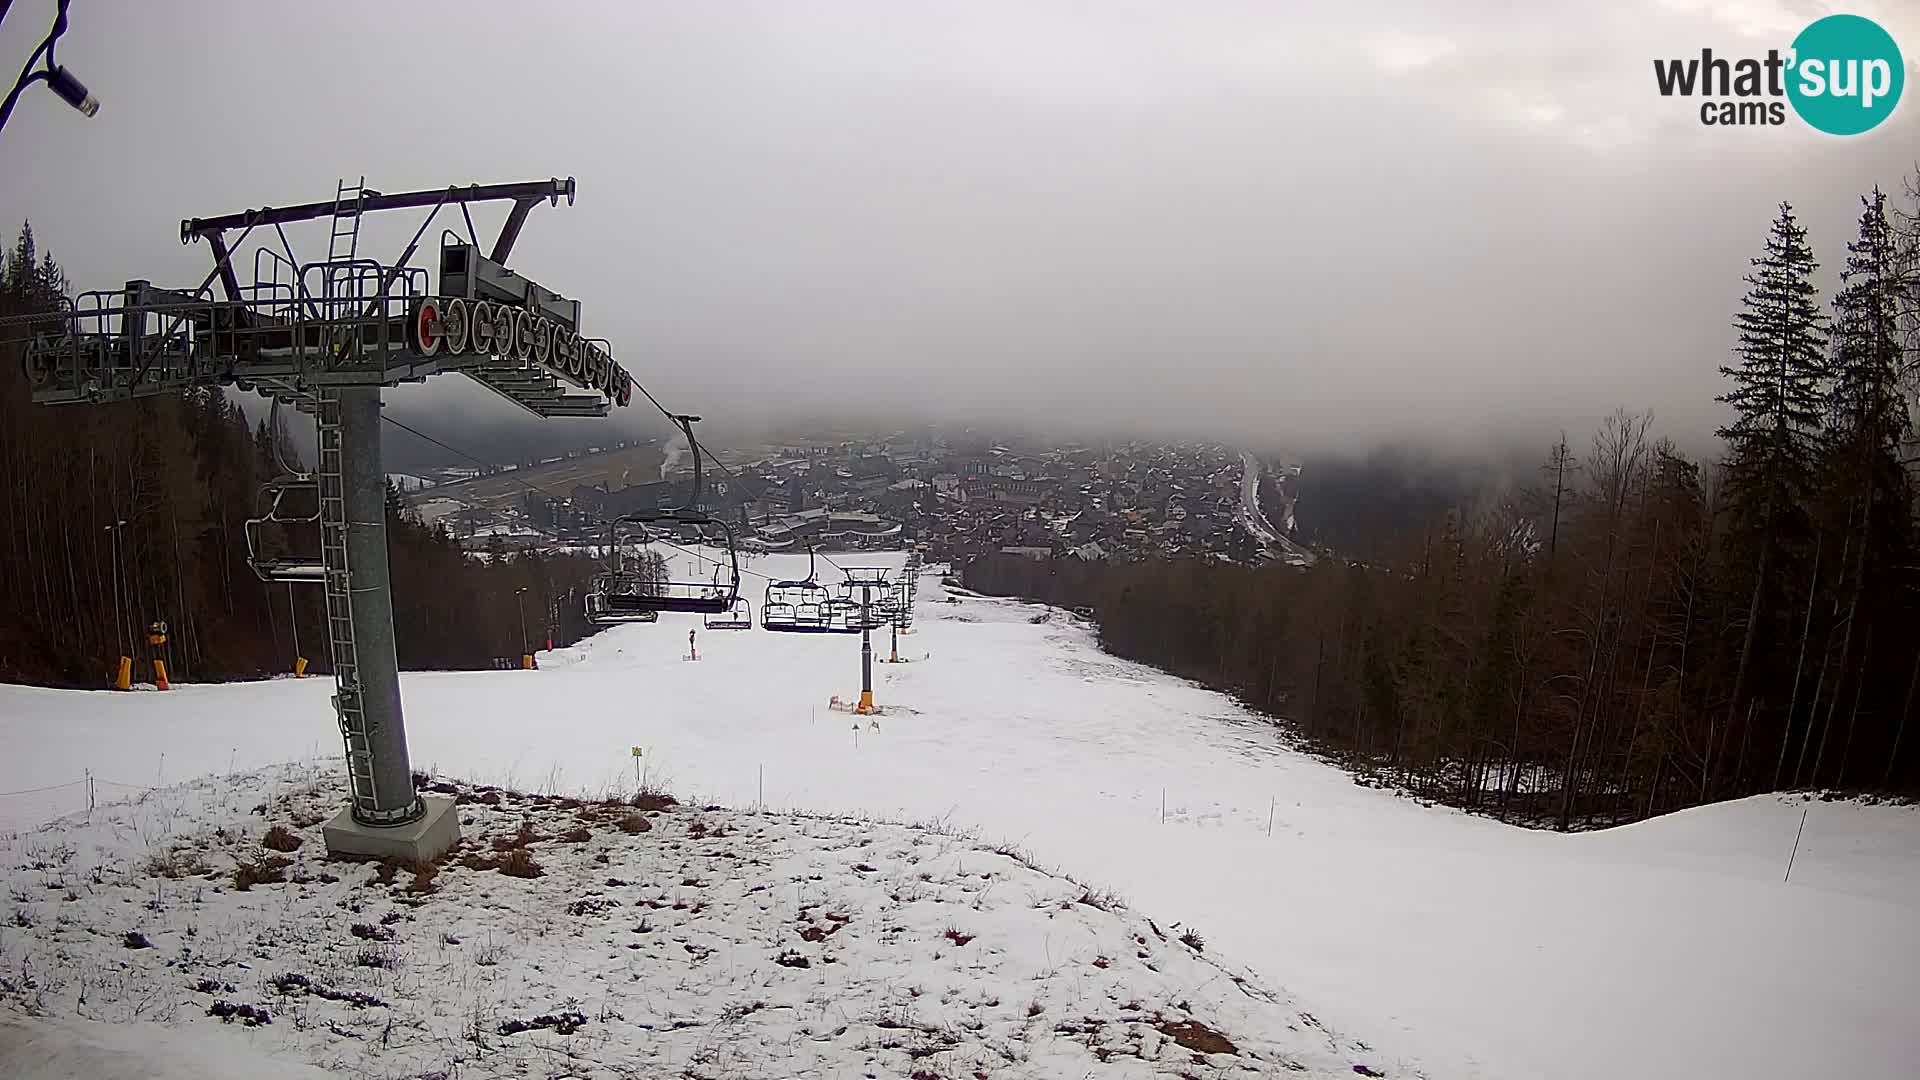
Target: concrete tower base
{"x": 417, "y": 841}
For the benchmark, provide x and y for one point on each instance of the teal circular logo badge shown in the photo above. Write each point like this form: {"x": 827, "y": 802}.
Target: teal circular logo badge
{"x": 1847, "y": 75}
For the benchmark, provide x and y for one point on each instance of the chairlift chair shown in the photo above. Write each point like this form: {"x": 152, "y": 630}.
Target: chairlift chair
{"x": 898, "y": 598}
{"x": 690, "y": 525}
{"x": 739, "y": 617}
{"x": 796, "y": 606}
{"x": 841, "y": 615}
{"x": 611, "y": 598}
{"x": 847, "y": 615}
{"x": 606, "y": 603}
{"x": 284, "y": 566}
{"x": 810, "y": 616}
{"x": 776, "y": 614}
{"x": 684, "y": 593}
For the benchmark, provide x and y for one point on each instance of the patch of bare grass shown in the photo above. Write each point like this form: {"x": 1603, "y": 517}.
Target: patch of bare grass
{"x": 270, "y": 870}
{"x": 1196, "y": 1036}
{"x": 281, "y": 838}
{"x": 651, "y": 799}
{"x": 176, "y": 863}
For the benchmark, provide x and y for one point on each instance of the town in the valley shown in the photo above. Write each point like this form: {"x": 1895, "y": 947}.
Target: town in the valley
{"x": 961, "y": 495}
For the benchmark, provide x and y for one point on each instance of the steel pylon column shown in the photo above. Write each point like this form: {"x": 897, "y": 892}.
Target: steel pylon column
{"x": 380, "y": 776}
{"x": 866, "y": 651}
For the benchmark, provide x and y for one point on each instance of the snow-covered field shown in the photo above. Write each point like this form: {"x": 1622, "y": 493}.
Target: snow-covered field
{"x": 675, "y": 942}
{"x": 1454, "y": 946}
{"x": 409, "y": 482}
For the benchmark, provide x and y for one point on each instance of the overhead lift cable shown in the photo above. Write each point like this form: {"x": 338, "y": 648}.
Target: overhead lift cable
{"x": 674, "y": 419}
{"x": 540, "y": 491}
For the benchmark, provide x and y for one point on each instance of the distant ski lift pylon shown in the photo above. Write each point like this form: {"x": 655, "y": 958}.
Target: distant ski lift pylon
{"x": 856, "y": 609}
{"x": 900, "y": 605}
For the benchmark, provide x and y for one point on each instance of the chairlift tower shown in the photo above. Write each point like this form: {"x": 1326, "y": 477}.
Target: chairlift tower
{"x": 867, "y": 579}
{"x": 327, "y": 337}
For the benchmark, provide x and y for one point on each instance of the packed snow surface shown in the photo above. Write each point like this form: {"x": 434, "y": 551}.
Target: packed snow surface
{"x": 1453, "y": 945}
{"x": 625, "y": 941}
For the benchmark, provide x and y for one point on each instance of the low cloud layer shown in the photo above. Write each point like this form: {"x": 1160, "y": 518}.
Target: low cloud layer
{"x": 1310, "y": 225}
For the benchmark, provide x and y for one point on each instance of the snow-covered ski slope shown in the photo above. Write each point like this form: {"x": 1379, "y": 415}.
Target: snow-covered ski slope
{"x": 1456, "y": 946}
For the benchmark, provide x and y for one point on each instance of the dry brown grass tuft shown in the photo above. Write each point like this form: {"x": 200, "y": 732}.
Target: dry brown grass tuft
{"x": 281, "y": 838}
{"x": 653, "y": 800}
{"x": 520, "y": 839}
{"x": 519, "y": 863}
{"x": 177, "y": 863}
{"x": 1196, "y": 1036}
{"x": 516, "y": 862}
{"x": 268, "y": 871}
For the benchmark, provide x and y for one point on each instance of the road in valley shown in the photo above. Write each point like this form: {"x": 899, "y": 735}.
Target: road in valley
{"x": 1255, "y": 519}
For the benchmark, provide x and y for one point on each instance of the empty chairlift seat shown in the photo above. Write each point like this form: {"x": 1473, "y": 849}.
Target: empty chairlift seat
{"x": 739, "y": 617}
{"x": 612, "y": 600}
{"x": 291, "y": 501}
{"x": 680, "y": 591}
{"x": 795, "y": 607}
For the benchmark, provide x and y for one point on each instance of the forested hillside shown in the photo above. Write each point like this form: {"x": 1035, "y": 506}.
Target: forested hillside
{"x": 1635, "y": 633}
{"x": 1359, "y": 504}
{"x": 116, "y": 516}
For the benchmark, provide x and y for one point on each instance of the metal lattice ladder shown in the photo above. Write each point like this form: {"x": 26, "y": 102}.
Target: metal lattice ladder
{"x": 343, "y": 246}
{"x": 348, "y": 699}
{"x": 347, "y": 201}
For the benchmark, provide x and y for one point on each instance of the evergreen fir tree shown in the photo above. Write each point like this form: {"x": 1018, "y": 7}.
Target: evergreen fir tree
{"x": 1866, "y": 410}
{"x": 1863, "y": 488}
{"x": 1776, "y": 394}
{"x": 1774, "y": 437}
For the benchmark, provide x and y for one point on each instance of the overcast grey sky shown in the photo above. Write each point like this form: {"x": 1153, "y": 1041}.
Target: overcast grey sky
{"x": 1298, "y": 222}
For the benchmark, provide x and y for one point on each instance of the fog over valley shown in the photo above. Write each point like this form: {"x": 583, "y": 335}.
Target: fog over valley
{"x": 1322, "y": 226}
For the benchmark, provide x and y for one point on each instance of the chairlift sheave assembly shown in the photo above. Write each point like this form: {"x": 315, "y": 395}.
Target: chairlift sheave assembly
{"x": 852, "y": 611}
